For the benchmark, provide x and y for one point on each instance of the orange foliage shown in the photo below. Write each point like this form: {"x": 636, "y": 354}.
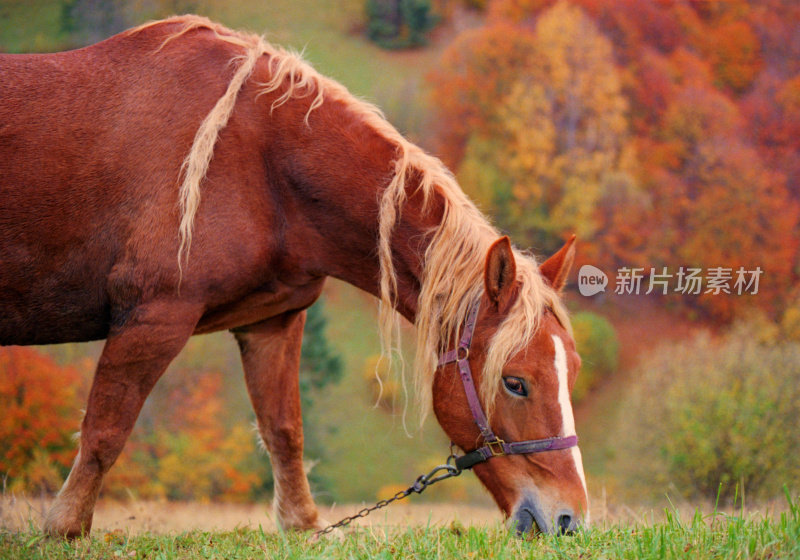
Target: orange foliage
{"x": 734, "y": 51}
{"x": 478, "y": 69}
{"x": 40, "y": 413}
{"x": 183, "y": 450}
{"x": 516, "y": 11}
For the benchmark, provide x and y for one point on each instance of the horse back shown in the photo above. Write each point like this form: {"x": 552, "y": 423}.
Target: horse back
{"x": 91, "y": 145}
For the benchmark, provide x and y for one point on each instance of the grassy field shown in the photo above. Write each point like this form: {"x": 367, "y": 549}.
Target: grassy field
{"x": 716, "y": 535}
{"x": 404, "y": 530}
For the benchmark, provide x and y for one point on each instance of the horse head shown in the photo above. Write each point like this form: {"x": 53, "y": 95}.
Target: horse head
{"x": 533, "y": 467}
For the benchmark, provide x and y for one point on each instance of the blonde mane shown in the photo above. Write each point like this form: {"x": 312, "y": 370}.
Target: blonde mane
{"x": 453, "y": 263}
{"x": 283, "y": 64}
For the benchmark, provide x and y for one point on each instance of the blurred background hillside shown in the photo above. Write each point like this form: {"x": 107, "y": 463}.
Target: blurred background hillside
{"x": 665, "y": 133}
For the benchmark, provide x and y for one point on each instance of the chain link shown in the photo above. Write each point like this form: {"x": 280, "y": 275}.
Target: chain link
{"x": 419, "y": 486}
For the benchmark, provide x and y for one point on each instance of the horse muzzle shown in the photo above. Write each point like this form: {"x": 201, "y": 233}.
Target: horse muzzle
{"x": 529, "y": 518}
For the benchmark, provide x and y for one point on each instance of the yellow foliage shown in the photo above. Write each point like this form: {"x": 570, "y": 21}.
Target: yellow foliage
{"x": 565, "y": 125}
{"x": 388, "y": 490}
{"x": 40, "y": 473}
{"x": 790, "y": 322}
{"x": 384, "y": 389}
{"x": 714, "y": 411}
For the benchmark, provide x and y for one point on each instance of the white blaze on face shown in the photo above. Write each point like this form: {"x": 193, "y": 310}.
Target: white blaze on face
{"x": 567, "y": 419}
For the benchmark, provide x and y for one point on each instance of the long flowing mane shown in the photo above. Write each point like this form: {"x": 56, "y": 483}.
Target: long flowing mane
{"x": 453, "y": 262}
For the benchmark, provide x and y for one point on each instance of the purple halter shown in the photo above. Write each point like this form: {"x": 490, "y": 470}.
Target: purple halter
{"x": 494, "y": 446}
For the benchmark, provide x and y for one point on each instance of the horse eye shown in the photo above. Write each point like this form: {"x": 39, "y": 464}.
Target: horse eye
{"x": 516, "y": 386}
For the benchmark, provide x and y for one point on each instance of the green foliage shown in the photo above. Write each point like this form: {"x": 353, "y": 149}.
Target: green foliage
{"x": 598, "y": 347}
{"x": 320, "y": 365}
{"x": 25, "y": 30}
{"x": 385, "y": 390}
{"x": 89, "y": 21}
{"x": 395, "y": 24}
{"x": 708, "y": 416}
{"x": 483, "y": 179}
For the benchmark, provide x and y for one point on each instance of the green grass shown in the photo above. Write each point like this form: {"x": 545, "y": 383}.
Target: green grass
{"x": 30, "y": 26}
{"x": 711, "y": 536}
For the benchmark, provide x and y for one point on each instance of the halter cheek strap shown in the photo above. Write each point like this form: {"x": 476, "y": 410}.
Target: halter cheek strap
{"x": 494, "y": 446}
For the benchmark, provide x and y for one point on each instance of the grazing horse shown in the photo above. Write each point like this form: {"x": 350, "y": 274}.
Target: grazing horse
{"x": 181, "y": 178}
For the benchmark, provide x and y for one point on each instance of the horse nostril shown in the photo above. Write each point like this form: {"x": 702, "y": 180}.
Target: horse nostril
{"x": 564, "y": 524}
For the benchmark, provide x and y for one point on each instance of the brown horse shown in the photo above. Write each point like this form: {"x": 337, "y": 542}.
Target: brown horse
{"x": 182, "y": 178}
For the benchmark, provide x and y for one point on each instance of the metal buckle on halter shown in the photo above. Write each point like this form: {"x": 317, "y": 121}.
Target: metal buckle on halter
{"x": 462, "y": 353}
{"x": 496, "y": 447}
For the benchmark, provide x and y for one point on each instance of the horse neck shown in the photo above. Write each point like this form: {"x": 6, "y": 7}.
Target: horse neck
{"x": 338, "y": 167}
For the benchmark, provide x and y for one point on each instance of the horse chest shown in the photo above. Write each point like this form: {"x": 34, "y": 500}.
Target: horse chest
{"x": 260, "y": 305}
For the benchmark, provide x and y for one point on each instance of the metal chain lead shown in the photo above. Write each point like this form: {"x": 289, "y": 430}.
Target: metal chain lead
{"x": 419, "y": 486}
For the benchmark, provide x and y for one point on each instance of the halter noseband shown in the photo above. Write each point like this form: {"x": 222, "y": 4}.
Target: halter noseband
{"x": 494, "y": 446}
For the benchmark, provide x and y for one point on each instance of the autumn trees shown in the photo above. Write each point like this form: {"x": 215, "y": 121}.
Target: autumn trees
{"x": 541, "y": 117}
{"x": 40, "y": 412}
{"x": 663, "y": 133}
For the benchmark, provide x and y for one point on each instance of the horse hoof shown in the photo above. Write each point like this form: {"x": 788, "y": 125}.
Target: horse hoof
{"x": 69, "y": 533}
{"x": 56, "y": 525}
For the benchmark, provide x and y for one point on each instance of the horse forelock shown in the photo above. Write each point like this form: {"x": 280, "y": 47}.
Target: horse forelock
{"x": 453, "y": 262}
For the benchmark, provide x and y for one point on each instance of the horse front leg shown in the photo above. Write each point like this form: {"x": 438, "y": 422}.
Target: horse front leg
{"x": 271, "y": 357}
{"x": 134, "y": 357}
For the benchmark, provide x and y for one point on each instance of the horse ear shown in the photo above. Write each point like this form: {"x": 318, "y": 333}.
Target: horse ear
{"x": 500, "y": 272}
{"x": 556, "y": 268}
